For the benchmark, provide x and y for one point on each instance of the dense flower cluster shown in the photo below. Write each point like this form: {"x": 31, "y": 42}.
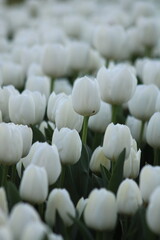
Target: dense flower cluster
{"x": 80, "y": 120}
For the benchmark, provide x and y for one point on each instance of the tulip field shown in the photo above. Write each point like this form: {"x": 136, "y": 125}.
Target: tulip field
{"x": 80, "y": 120}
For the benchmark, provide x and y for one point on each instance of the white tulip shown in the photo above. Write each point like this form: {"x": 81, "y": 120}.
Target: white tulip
{"x": 5, "y": 233}
{"x": 101, "y": 205}
{"x": 69, "y": 145}
{"x": 27, "y": 136}
{"x": 34, "y": 230}
{"x": 86, "y": 96}
{"x": 21, "y": 215}
{"x": 142, "y": 104}
{"x": 114, "y": 82}
{"x": 129, "y": 197}
{"x": 116, "y": 139}
{"x": 153, "y": 131}
{"x": 67, "y": 117}
{"x": 30, "y": 189}
{"x": 149, "y": 180}
{"x": 3, "y": 201}
{"x": 62, "y": 85}
{"x": 59, "y": 200}
{"x": 81, "y": 205}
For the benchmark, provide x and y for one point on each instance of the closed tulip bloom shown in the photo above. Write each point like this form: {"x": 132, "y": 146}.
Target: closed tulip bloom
{"x": 39, "y": 83}
{"x": 5, "y": 94}
{"x": 97, "y": 159}
{"x": 116, "y": 139}
{"x": 142, "y": 104}
{"x": 129, "y": 197}
{"x": 149, "y": 181}
{"x": 47, "y": 156}
{"x": 152, "y": 214}
{"x": 53, "y": 103}
{"x": 27, "y": 136}
{"x": 21, "y": 215}
{"x": 100, "y": 120}
{"x": 30, "y": 188}
{"x": 35, "y": 230}
{"x": 153, "y": 131}
{"x": 59, "y": 200}
{"x": 69, "y": 145}
{"x": 114, "y": 82}
{"x": 54, "y": 60}
{"x": 67, "y": 117}
{"x": 157, "y": 107}
{"x": 132, "y": 163}
{"x": 86, "y": 96}
{"x": 27, "y": 108}
{"x": 11, "y": 143}
{"x": 3, "y": 218}
{"x": 101, "y": 210}
{"x": 53, "y": 236}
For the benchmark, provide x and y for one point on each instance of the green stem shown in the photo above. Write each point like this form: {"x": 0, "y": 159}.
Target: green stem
{"x": 156, "y": 157}
{"x": 52, "y": 85}
{"x": 62, "y": 177}
{"x": 114, "y": 113}
{"x": 85, "y": 128}
{"x": 103, "y": 235}
{"x": 4, "y": 175}
{"x": 141, "y": 134}
{"x": 13, "y": 173}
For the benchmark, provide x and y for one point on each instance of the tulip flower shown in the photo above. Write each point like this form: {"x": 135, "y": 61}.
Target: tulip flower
{"x": 101, "y": 206}
{"x": 59, "y": 200}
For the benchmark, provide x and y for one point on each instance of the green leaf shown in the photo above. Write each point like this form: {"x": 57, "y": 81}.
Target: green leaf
{"x": 82, "y": 228}
{"x": 117, "y": 174}
{"x": 80, "y": 172}
{"x": 12, "y": 194}
{"x": 105, "y": 176}
{"x": 37, "y": 135}
{"x": 48, "y": 133}
{"x": 138, "y": 228}
{"x": 97, "y": 182}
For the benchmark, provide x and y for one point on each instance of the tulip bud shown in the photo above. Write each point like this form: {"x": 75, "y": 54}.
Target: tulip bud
{"x": 153, "y": 131}
{"x": 21, "y": 215}
{"x": 86, "y": 96}
{"x": 149, "y": 180}
{"x": 142, "y": 104}
{"x": 97, "y": 159}
{"x": 27, "y": 108}
{"x": 113, "y": 83}
{"x": 129, "y": 197}
{"x": 5, "y": 94}
{"x": 11, "y": 143}
{"x": 100, "y": 120}
{"x": 132, "y": 163}
{"x": 54, "y": 60}
{"x": 69, "y": 145}
{"x": 34, "y": 230}
{"x": 40, "y": 84}
{"x": 67, "y": 117}
{"x": 101, "y": 205}
{"x": 30, "y": 189}
{"x": 59, "y": 200}
{"x": 47, "y": 156}
{"x": 116, "y": 139}
{"x": 34, "y": 70}
{"x": 152, "y": 214}
{"x": 53, "y": 236}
